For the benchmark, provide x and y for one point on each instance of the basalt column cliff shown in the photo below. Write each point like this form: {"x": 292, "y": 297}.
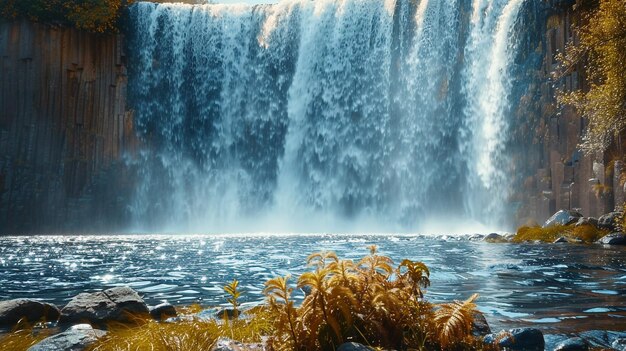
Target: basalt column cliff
{"x": 63, "y": 129}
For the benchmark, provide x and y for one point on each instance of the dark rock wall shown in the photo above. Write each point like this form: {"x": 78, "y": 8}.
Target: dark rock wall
{"x": 558, "y": 175}
{"x": 64, "y": 130}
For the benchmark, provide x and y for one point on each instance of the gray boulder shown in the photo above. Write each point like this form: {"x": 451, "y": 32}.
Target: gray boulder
{"x": 610, "y": 221}
{"x": 495, "y": 238}
{"x": 602, "y": 338}
{"x": 560, "y": 240}
{"x": 32, "y": 311}
{"x": 475, "y": 237}
{"x": 518, "y": 339}
{"x": 120, "y": 304}
{"x": 224, "y": 344}
{"x": 563, "y": 217}
{"x": 480, "y": 327}
{"x": 77, "y": 338}
{"x": 163, "y": 311}
{"x": 613, "y": 239}
{"x": 572, "y": 344}
{"x": 353, "y": 346}
{"x": 619, "y": 344}
{"x": 587, "y": 221}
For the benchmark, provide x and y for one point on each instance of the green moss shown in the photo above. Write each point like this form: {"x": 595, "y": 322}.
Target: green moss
{"x": 585, "y": 233}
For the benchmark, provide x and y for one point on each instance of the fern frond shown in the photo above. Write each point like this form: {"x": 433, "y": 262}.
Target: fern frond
{"x": 454, "y": 320}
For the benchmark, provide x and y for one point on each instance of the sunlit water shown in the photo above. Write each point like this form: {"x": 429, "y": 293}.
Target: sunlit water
{"x": 560, "y": 288}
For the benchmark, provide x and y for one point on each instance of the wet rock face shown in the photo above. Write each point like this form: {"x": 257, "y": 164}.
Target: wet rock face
{"x": 613, "y": 239}
{"x": 163, "y": 311}
{"x": 33, "y": 311}
{"x": 480, "y": 327}
{"x": 118, "y": 304}
{"x": 518, "y": 339}
{"x": 77, "y": 338}
{"x": 563, "y": 217}
{"x": 610, "y": 221}
{"x": 63, "y": 130}
{"x": 572, "y": 344}
{"x": 587, "y": 221}
{"x": 495, "y": 238}
{"x": 602, "y": 339}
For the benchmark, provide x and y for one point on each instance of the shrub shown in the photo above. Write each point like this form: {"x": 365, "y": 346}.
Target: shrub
{"x": 586, "y": 233}
{"x": 92, "y": 15}
{"x": 371, "y": 302}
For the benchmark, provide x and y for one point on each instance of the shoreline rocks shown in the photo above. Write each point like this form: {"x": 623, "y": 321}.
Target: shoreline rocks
{"x": 613, "y": 239}
{"x": 32, "y": 311}
{"x": 76, "y": 338}
{"x": 518, "y": 339}
{"x": 120, "y": 304}
{"x": 562, "y": 217}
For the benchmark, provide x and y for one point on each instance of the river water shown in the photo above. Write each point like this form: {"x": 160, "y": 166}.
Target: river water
{"x": 560, "y": 288}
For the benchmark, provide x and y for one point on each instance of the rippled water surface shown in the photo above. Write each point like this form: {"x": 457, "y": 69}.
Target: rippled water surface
{"x": 559, "y": 287}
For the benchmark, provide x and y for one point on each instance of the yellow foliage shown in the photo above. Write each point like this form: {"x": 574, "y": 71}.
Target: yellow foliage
{"x": 586, "y": 233}
{"x": 372, "y": 302}
{"x": 455, "y": 320}
{"x": 22, "y": 339}
{"x": 185, "y": 335}
{"x": 602, "y": 39}
{"x": 92, "y": 15}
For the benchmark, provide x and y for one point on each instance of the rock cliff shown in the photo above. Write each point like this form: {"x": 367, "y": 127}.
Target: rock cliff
{"x": 559, "y": 176}
{"x": 64, "y": 129}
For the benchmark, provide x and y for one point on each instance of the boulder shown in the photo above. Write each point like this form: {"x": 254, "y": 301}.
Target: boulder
{"x": 120, "y": 304}
{"x": 518, "y": 339}
{"x": 480, "y": 327}
{"x": 77, "y": 338}
{"x": 353, "y": 346}
{"x": 475, "y": 237}
{"x": 224, "y": 344}
{"x": 601, "y": 338}
{"x": 218, "y": 313}
{"x": 619, "y": 344}
{"x": 32, "y": 311}
{"x": 163, "y": 311}
{"x": 495, "y": 238}
{"x": 572, "y": 344}
{"x": 561, "y": 240}
{"x": 562, "y": 217}
{"x": 587, "y": 221}
{"x": 610, "y": 221}
{"x": 613, "y": 239}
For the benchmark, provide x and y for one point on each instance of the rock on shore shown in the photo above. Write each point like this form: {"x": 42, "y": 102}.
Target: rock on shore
{"x": 120, "y": 304}
{"x": 31, "y": 311}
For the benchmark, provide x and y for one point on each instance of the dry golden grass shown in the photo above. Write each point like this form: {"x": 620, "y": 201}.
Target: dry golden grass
{"x": 21, "y": 340}
{"x": 587, "y": 233}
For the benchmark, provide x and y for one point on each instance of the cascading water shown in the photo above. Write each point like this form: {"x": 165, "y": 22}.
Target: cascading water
{"x": 326, "y": 115}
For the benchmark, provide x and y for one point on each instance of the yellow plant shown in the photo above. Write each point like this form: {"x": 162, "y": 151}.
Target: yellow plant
{"x": 372, "y": 302}
{"x": 92, "y": 15}
{"x": 231, "y": 289}
{"x": 455, "y": 320}
{"x": 22, "y": 339}
{"x": 586, "y": 233}
{"x": 599, "y": 48}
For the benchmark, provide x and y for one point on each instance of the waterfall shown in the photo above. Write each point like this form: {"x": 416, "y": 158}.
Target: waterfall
{"x": 326, "y": 115}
